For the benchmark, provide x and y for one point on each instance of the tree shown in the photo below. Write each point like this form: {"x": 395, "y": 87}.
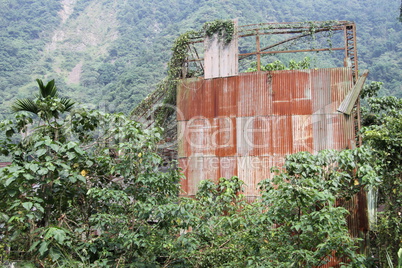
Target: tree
{"x": 382, "y": 131}
{"x": 47, "y": 104}
{"x": 94, "y": 197}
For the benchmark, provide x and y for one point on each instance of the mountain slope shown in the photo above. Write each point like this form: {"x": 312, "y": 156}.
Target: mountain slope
{"x": 111, "y": 54}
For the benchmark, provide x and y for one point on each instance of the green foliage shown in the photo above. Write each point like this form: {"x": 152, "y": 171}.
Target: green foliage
{"x": 125, "y": 54}
{"x": 25, "y": 28}
{"x": 389, "y": 260}
{"x": 166, "y": 89}
{"x": 224, "y": 29}
{"x": 371, "y": 90}
{"x": 297, "y": 222}
{"x": 278, "y": 65}
{"x": 382, "y": 131}
{"x": 47, "y": 104}
{"x": 91, "y": 194}
{"x": 400, "y": 13}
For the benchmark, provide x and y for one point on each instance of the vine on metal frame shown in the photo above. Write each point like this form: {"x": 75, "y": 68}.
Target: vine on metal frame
{"x": 225, "y": 30}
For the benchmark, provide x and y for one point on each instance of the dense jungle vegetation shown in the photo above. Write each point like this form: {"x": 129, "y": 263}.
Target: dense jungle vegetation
{"x": 86, "y": 187}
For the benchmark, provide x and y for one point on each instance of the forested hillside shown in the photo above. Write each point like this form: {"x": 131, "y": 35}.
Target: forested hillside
{"x": 111, "y": 54}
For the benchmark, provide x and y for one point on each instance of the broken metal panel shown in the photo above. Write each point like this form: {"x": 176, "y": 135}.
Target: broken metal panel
{"x": 332, "y": 131}
{"x": 330, "y": 87}
{"x": 350, "y": 100}
{"x": 341, "y": 83}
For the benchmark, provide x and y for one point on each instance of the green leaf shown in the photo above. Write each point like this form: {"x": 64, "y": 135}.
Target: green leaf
{"x": 54, "y": 253}
{"x": 34, "y": 167}
{"x": 10, "y": 132}
{"x": 71, "y": 155}
{"x": 40, "y": 152}
{"x": 71, "y": 145}
{"x": 39, "y": 207}
{"x": 55, "y": 147}
{"x": 34, "y": 245}
{"x": 43, "y": 248}
{"x": 12, "y": 192}
{"x": 28, "y": 105}
{"x": 82, "y": 178}
{"x": 57, "y": 234}
{"x": 43, "y": 171}
{"x": 27, "y": 205}
{"x": 79, "y": 151}
{"x": 39, "y": 143}
{"x": 9, "y": 181}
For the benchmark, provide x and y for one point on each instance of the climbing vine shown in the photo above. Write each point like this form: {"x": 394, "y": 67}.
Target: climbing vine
{"x": 166, "y": 90}
{"x": 224, "y": 28}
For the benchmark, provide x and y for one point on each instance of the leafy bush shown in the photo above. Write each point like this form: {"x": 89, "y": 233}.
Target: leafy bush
{"x": 85, "y": 187}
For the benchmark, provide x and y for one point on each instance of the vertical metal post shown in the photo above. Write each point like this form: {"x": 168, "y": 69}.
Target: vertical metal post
{"x": 351, "y": 48}
{"x": 351, "y": 55}
{"x": 257, "y": 41}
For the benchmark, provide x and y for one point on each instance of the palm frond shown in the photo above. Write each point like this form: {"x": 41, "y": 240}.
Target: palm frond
{"x": 68, "y": 104}
{"x": 27, "y": 105}
{"x": 49, "y": 90}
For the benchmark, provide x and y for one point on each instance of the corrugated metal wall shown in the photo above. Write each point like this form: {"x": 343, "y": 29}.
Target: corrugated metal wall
{"x": 244, "y": 125}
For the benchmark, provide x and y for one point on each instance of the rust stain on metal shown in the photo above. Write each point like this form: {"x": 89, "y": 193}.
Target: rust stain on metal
{"x": 245, "y": 124}
{"x": 256, "y": 119}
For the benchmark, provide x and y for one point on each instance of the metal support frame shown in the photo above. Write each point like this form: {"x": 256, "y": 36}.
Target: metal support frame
{"x": 351, "y": 48}
{"x": 351, "y": 56}
{"x": 258, "y": 52}
{"x": 301, "y": 30}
